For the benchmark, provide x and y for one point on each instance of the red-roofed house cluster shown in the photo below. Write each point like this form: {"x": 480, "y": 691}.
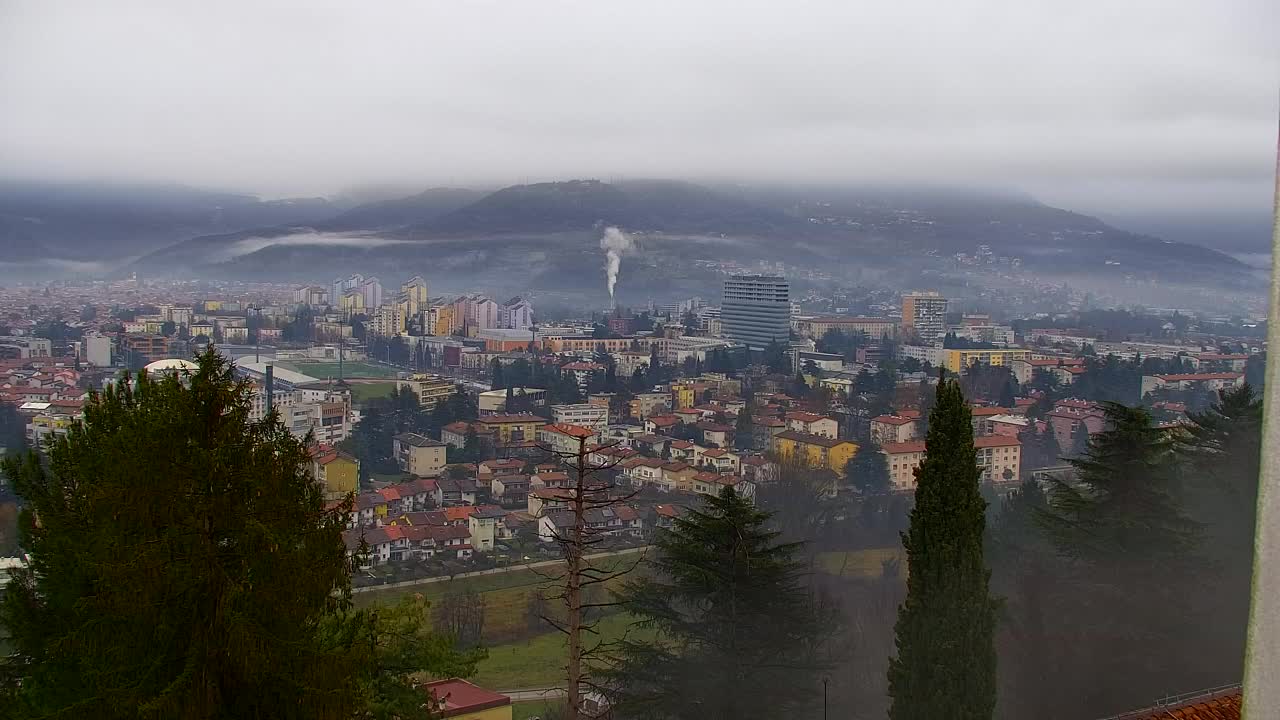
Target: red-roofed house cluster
{"x": 44, "y": 391}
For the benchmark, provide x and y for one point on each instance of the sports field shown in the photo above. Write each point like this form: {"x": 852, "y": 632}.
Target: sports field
{"x": 363, "y": 392}
{"x": 324, "y": 370}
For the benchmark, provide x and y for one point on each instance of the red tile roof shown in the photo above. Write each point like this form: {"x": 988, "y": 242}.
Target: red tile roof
{"x": 502, "y": 464}
{"x": 1195, "y": 377}
{"x": 911, "y": 446}
{"x": 892, "y": 420}
{"x": 457, "y": 513}
{"x": 575, "y": 431}
{"x": 460, "y": 697}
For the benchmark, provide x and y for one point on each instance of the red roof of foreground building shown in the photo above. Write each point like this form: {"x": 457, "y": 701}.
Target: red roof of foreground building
{"x": 456, "y": 697}
{"x": 1223, "y": 704}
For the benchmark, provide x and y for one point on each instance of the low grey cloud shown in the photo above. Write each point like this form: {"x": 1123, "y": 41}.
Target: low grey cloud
{"x": 1097, "y": 103}
{"x": 253, "y": 244}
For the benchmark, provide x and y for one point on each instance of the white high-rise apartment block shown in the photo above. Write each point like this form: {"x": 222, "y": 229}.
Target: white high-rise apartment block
{"x": 97, "y": 350}
{"x": 924, "y": 314}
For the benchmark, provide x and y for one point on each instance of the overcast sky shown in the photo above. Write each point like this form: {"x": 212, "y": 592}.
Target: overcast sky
{"x": 1096, "y": 104}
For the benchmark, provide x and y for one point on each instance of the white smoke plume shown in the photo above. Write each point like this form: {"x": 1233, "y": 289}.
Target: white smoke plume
{"x": 614, "y": 243}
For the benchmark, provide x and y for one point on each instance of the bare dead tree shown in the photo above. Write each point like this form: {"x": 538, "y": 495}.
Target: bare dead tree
{"x": 461, "y": 616}
{"x": 591, "y": 496}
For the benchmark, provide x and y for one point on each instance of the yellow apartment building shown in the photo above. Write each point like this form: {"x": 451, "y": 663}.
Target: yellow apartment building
{"x": 337, "y": 472}
{"x": 508, "y": 429}
{"x": 813, "y": 450}
{"x": 957, "y": 361}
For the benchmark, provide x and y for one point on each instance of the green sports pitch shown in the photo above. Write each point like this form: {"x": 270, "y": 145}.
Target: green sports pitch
{"x": 326, "y": 370}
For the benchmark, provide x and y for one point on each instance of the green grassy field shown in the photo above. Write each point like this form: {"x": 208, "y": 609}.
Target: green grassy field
{"x": 362, "y": 393}
{"x": 859, "y": 563}
{"x": 522, "y": 580}
{"x": 324, "y": 370}
{"x": 535, "y": 709}
{"x": 506, "y": 597}
{"x": 539, "y": 662}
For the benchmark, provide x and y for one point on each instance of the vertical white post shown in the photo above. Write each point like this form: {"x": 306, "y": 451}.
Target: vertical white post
{"x": 1262, "y": 656}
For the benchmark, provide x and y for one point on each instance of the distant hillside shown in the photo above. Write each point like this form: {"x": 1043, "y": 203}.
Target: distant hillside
{"x": 545, "y": 236}
{"x": 665, "y": 206}
{"x": 399, "y": 212}
{"x": 948, "y": 221}
{"x": 88, "y": 222}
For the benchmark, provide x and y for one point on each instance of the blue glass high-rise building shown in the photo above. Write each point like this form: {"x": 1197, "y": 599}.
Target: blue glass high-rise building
{"x": 756, "y": 310}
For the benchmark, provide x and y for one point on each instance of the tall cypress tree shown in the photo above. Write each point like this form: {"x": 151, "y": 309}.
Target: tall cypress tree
{"x": 946, "y": 662}
{"x": 183, "y": 566}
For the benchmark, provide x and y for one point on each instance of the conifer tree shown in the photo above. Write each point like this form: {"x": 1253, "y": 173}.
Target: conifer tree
{"x": 1123, "y": 503}
{"x": 183, "y": 565}
{"x": 1130, "y": 544}
{"x": 496, "y": 379}
{"x": 743, "y": 429}
{"x": 946, "y": 661}
{"x": 1223, "y": 450}
{"x": 1079, "y": 439}
{"x": 867, "y": 470}
{"x": 738, "y": 634}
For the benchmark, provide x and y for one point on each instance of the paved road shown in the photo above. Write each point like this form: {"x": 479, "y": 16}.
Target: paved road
{"x": 492, "y": 571}
{"x": 530, "y": 694}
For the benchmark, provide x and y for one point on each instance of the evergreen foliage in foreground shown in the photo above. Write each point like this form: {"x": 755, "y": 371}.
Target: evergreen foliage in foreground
{"x": 184, "y": 566}
{"x": 945, "y": 666}
{"x": 738, "y": 634}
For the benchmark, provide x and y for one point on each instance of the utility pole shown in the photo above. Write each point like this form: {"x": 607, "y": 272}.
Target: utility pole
{"x": 824, "y": 698}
